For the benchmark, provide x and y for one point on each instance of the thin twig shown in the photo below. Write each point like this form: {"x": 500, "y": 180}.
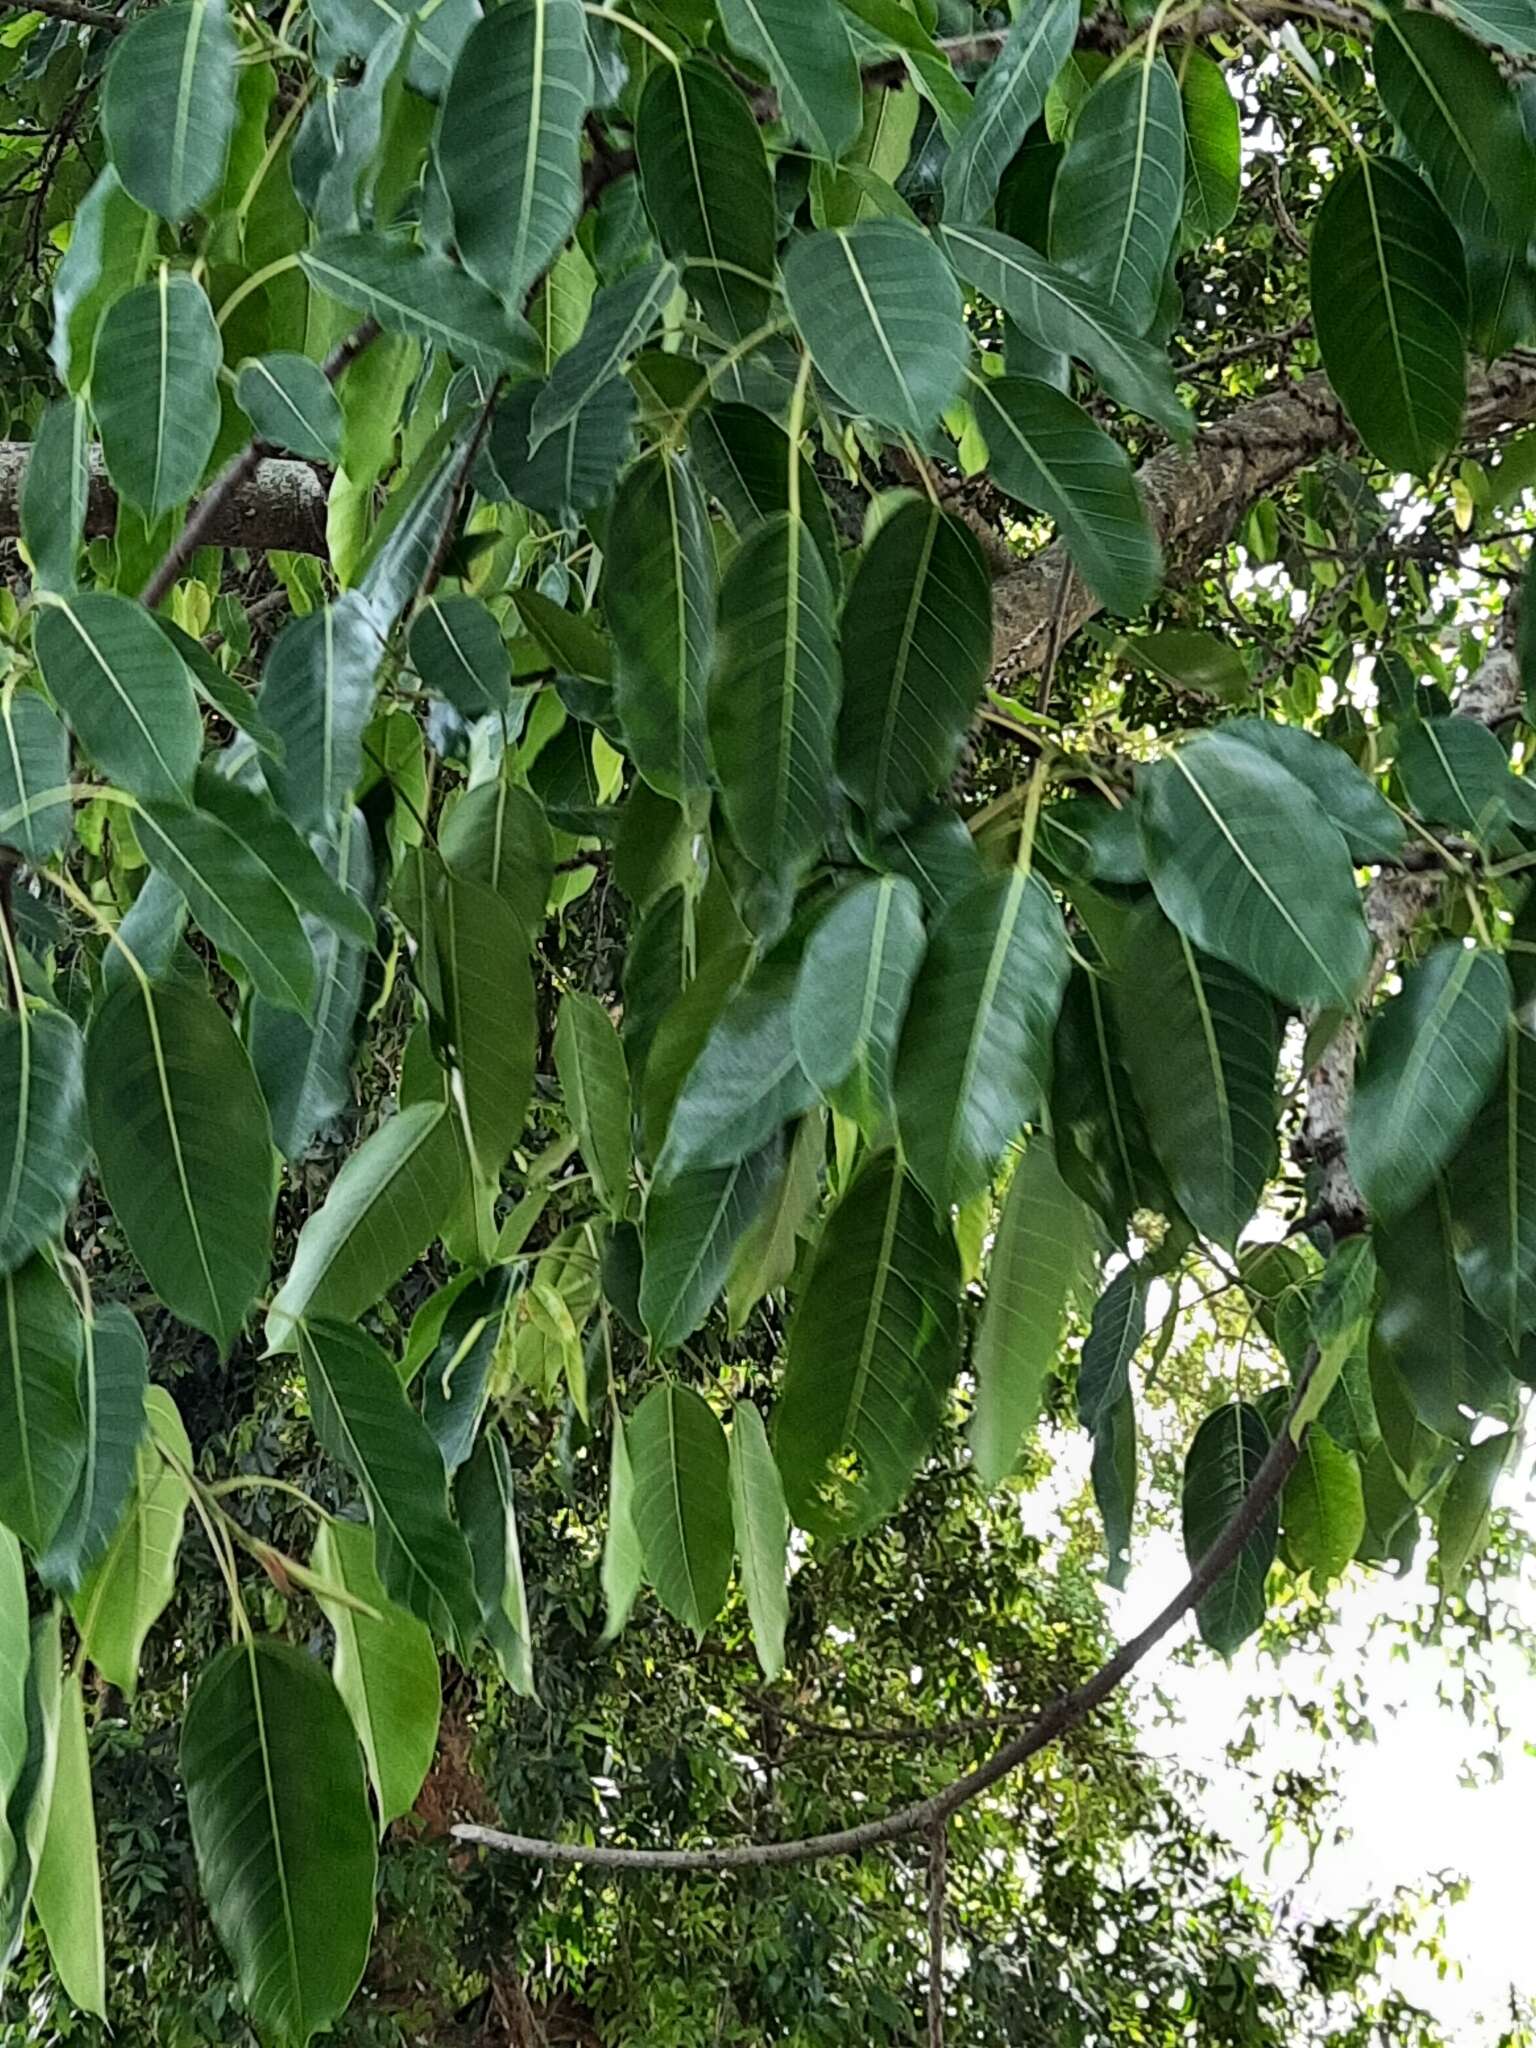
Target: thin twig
{"x": 67, "y": 10}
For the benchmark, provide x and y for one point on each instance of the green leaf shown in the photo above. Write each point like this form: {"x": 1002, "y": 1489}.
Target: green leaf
{"x": 283, "y": 854}
{"x": 1461, "y": 122}
{"x": 15, "y": 1655}
{"x": 497, "y": 834}
{"x": 417, "y": 293}
{"x": 32, "y": 1793}
{"x": 1048, "y": 454}
{"x": 681, "y": 1505}
{"x": 765, "y": 1259}
{"x": 68, "y": 1889}
{"x": 1043, "y": 1247}
{"x": 1201, "y": 1044}
{"x": 623, "y": 1564}
{"x": 574, "y": 470}
{"x": 1102, "y": 1146}
{"x": 124, "y": 1595}
{"x": 1372, "y": 829}
{"x": 168, "y": 106}
{"x": 1247, "y": 864}
{"x": 1389, "y": 308}
{"x": 317, "y": 694}
{"x": 1229, "y": 1447}
{"x": 36, "y": 817}
{"x": 693, "y": 1224}
{"x": 1466, "y": 1509}
{"x": 111, "y": 242}
{"x": 1113, "y": 1473}
{"x": 41, "y": 1423}
{"x": 384, "y": 1668}
{"x": 221, "y": 691}
{"x": 704, "y": 172}
{"x": 804, "y": 47}
{"x": 880, "y": 312}
{"x": 183, "y": 1147}
{"x": 234, "y": 897}
{"x": 488, "y": 1513}
{"x": 872, "y": 1351}
{"x": 124, "y": 690}
{"x": 457, "y": 650}
{"x": 43, "y": 1148}
{"x": 618, "y": 325}
{"x": 114, "y": 1378}
{"x": 916, "y": 653}
{"x": 1454, "y": 772}
{"x": 744, "y": 461}
{"x": 851, "y": 997}
{"x": 488, "y": 1013}
{"x": 290, "y": 403}
{"x": 745, "y": 1084}
{"x": 1114, "y": 1337}
{"x": 53, "y": 493}
{"x": 1213, "y": 135}
{"x": 366, "y": 1423}
{"x": 1008, "y": 99}
{"x": 1432, "y": 1059}
{"x": 1509, "y": 23}
{"x": 774, "y": 701}
{"x": 380, "y": 1213}
{"x": 1117, "y": 198}
{"x": 284, "y": 1838}
{"x": 1444, "y": 1362}
{"x": 509, "y": 141}
{"x": 155, "y": 392}
{"x": 659, "y": 596}
{"x": 1069, "y": 317}
{"x": 1322, "y": 1509}
{"x": 1493, "y": 1192}
{"x": 975, "y": 1056}
{"x": 762, "y": 1535}
{"x": 594, "y": 1079}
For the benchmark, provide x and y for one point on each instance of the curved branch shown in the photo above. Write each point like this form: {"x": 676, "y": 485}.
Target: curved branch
{"x": 1062, "y": 1715}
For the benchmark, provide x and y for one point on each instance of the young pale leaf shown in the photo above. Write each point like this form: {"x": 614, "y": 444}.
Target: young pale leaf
{"x": 1462, "y": 123}
{"x": 618, "y": 325}
{"x": 414, "y": 292}
{"x": 594, "y": 1079}
{"x": 1248, "y": 865}
{"x": 1224, "y": 1459}
{"x": 975, "y": 1055}
{"x": 1432, "y": 1058}
{"x": 1114, "y": 1337}
{"x": 1213, "y": 135}
{"x": 509, "y": 141}
{"x": 804, "y": 47}
{"x": 851, "y": 997}
{"x": 384, "y": 1668}
{"x": 382, "y": 1211}
{"x": 1043, "y": 1247}
{"x": 35, "y": 813}
{"x": 41, "y": 1421}
{"x": 1064, "y": 314}
{"x": 155, "y": 392}
{"x": 623, "y": 1564}
{"x": 488, "y": 1514}
{"x": 457, "y": 650}
{"x": 682, "y": 1506}
{"x": 880, "y": 312}
{"x": 168, "y": 106}
{"x": 1201, "y": 1044}
{"x": 745, "y": 1084}
{"x": 916, "y": 654}
{"x": 43, "y": 1149}
{"x": 284, "y": 1838}
{"x": 1389, "y": 307}
{"x": 184, "y": 1150}
{"x": 114, "y": 1379}
{"x": 873, "y": 1348}
{"x": 53, "y": 493}
{"x": 1117, "y": 197}
{"x": 1008, "y": 99}
{"x": 68, "y": 1890}
{"x": 1493, "y": 1195}
{"x": 366, "y": 1423}
{"x": 235, "y": 898}
{"x": 693, "y": 1224}
{"x": 290, "y": 403}
{"x": 317, "y": 695}
{"x": 1322, "y": 1510}
{"x": 126, "y": 1592}
{"x": 1046, "y": 452}
{"x": 659, "y": 594}
{"x": 762, "y": 1535}
{"x": 124, "y": 690}
{"x": 774, "y": 701}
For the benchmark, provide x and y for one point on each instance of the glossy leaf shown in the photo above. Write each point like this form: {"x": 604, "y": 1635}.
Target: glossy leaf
{"x": 126, "y": 1592}
{"x": 693, "y": 1224}
{"x": 1117, "y": 198}
{"x": 290, "y": 403}
{"x": 1372, "y": 829}
{"x": 1008, "y": 99}
{"x": 594, "y": 1079}
{"x": 1461, "y": 122}
{"x": 1213, "y": 137}
{"x": 124, "y": 690}
{"x": 762, "y": 1534}
{"x": 43, "y": 1150}
{"x": 804, "y": 47}
{"x": 168, "y": 106}
{"x": 414, "y": 292}
{"x": 746, "y": 1082}
{"x": 155, "y": 393}
{"x": 114, "y": 1378}
{"x": 851, "y": 998}
{"x": 660, "y": 603}
{"x": 1454, "y": 772}
{"x": 1224, "y": 1459}
{"x": 682, "y": 1505}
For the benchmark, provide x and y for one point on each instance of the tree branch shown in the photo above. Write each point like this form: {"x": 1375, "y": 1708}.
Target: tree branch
{"x": 67, "y": 10}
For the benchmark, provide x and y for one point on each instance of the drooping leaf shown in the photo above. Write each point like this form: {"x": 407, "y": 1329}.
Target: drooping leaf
{"x": 872, "y": 1350}
{"x": 417, "y": 293}
{"x": 880, "y": 312}
{"x": 488, "y": 1513}
{"x": 1113, "y": 1473}
{"x": 623, "y": 1564}
{"x": 35, "y": 813}
{"x": 111, "y": 243}
{"x": 1454, "y": 772}
{"x": 317, "y": 695}
{"x": 53, "y": 493}
{"x": 744, "y": 462}
{"x": 1248, "y": 865}
{"x": 155, "y": 393}
{"x": 916, "y": 653}
{"x": 1008, "y": 99}
{"x": 43, "y": 1147}
{"x": 974, "y": 1061}
{"x": 509, "y": 141}
{"x": 15, "y": 1653}
{"x": 574, "y": 470}
{"x": 457, "y": 650}
{"x": 385, "y": 1670}
{"x": 67, "y": 1894}
{"x": 1213, "y": 137}
{"x": 594, "y": 1079}
{"x": 114, "y": 1378}
{"x": 1493, "y": 1193}
{"x": 762, "y": 1534}
{"x": 1114, "y": 1337}
{"x": 41, "y": 1421}
{"x": 366, "y": 1423}
{"x": 290, "y": 403}
{"x": 1043, "y": 1246}
{"x": 1389, "y": 307}
{"x": 183, "y": 1147}
{"x": 804, "y": 47}
{"x": 693, "y": 1224}
{"x": 660, "y": 603}
{"x": 851, "y": 997}
{"x": 1046, "y": 452}
{"x": 1466, "y": 1508}
{"x": 681, "y": 1503}
{"x": 1372, "y": 829}
{"x": 746, "y": 1082}
{"x": 284, "y": 1838}
{"x": 126, "y": 1592}
{"x": 1322, "y": 1509}
{"x": 1462, "y": 123}
{"x": 32, "y": 1793}
{"x": 488, "y": 1012}
{"x": 1224, "y": 1459}
{"x": 124, "y": 690}
{"x": 1117, "y": 199}
{"x": 168, "y": 106}
{"x": 617, "y": 327}
{"x": 1434, "y": 1358}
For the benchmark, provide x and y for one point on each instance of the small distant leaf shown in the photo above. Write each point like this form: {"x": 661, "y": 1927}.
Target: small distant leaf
{"x": 1224, "y": 1459}
{"x": 290, "y": 403}
{"x": 155, "y": 392}
{"x": 682, "y": 1506}
{"x": 762, "y": 1534}
{"x": 168, "y": 106}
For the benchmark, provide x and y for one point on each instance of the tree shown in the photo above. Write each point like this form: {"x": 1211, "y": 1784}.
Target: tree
{"x": 699, "y": 935}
